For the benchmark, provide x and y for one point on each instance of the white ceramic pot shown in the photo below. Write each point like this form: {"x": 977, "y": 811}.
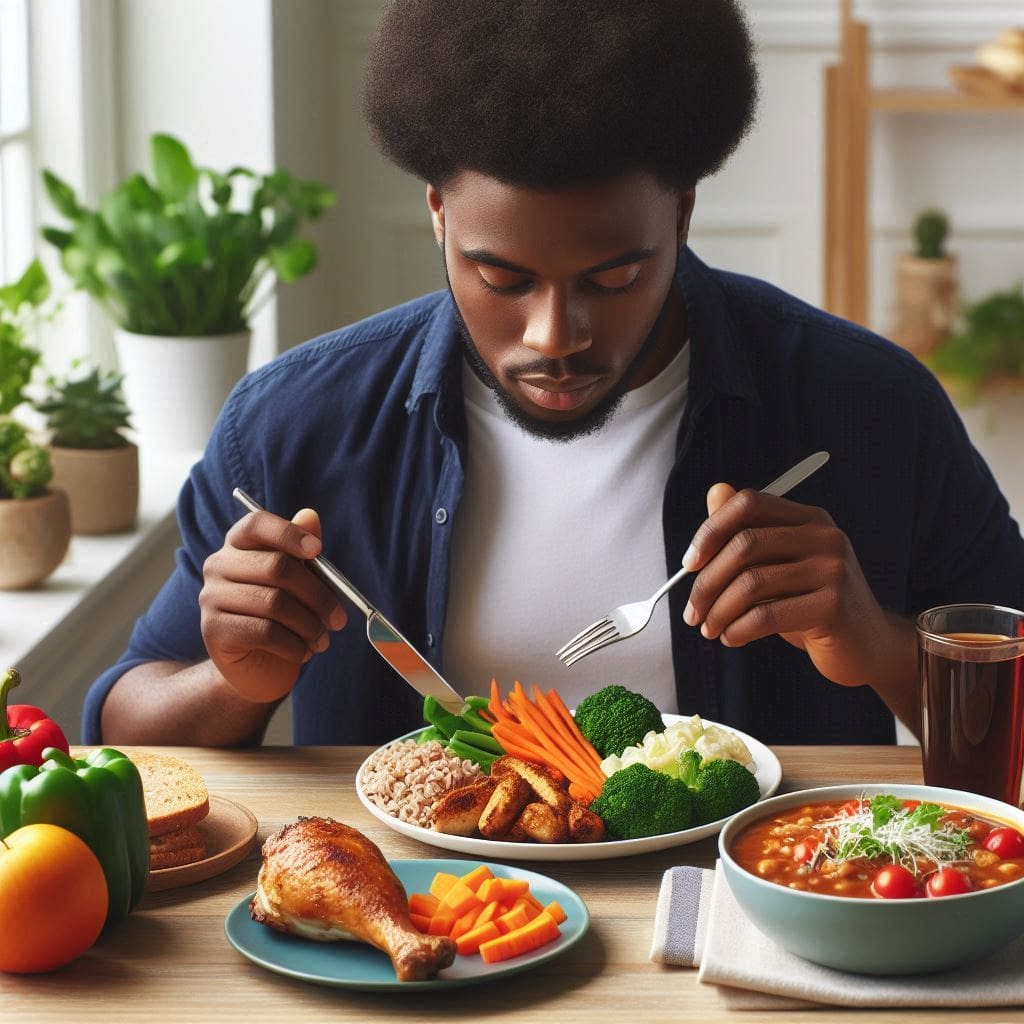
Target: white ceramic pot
{"x": 175, "y": 387}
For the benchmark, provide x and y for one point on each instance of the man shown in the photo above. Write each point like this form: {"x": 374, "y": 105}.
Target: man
{"x": 588, "y": 405}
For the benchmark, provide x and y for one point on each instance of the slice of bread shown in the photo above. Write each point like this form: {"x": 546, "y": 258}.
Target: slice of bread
{"x": 187, "y": 838}
{"x": 176, "y": 795}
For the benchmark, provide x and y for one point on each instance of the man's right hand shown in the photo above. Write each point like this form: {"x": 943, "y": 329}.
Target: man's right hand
{"x": 263, "y": 613}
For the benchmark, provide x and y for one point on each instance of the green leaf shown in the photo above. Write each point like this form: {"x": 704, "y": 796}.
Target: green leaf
{"x": 62, "y": 195}
{"x": 175, "y": 173}
{"x": 293, "y": 260}
{"x": 58, "y": 238}
{"x": 32, "y": 288}
{"x": 190, "y": 252}
{"x": 883, "y": 808}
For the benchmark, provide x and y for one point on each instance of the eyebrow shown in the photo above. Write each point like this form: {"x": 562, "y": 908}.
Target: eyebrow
{"x": 489, "y": 258}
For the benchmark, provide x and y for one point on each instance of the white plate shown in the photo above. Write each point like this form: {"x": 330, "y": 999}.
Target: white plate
{"x": 769, "y": 776}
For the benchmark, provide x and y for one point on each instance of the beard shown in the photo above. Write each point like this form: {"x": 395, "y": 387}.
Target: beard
{"x": 561, "y": 430}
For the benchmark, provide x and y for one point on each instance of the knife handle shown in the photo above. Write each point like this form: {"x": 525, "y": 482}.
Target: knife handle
{"x": 328, "y": 572}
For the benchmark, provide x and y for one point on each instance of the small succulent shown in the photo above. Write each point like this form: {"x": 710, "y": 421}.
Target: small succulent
{"x": 930, "y": 230}
{"x": 25, "y": 467}
{"x": 85, "y": 410}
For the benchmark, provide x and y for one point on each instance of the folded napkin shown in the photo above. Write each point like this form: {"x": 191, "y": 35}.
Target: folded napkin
{"x": 699, "y": 924}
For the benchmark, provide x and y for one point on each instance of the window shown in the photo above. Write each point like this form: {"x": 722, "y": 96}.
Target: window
{"x": 16, "y": 206}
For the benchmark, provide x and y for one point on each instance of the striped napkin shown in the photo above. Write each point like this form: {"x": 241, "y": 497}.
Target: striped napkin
{"x": 699, "y": 924}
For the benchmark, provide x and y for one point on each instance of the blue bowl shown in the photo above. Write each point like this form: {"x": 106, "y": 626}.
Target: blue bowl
{"x": 876, "y": 936}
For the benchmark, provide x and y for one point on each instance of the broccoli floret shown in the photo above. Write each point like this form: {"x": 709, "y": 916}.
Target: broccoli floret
{"x": 720, "y": 787}
{"x": 638, "y": 802}
{"x": 615, "y": 718}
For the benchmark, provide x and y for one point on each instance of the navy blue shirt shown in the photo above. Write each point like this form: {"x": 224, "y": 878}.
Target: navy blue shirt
{"x": 366, "y": 425}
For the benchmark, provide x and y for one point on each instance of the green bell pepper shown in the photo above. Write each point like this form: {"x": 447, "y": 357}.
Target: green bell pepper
{"x": 100, "y": 799}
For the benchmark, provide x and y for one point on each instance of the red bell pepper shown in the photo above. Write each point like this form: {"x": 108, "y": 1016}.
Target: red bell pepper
{"x": 24, "y": 730}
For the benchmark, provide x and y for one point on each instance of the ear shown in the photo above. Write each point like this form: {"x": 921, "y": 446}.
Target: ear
{"x": 686, "y": 203}
{"x": 436, "y": 206}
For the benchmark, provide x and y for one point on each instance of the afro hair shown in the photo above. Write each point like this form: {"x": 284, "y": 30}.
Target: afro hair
{"x": 555, "y": 93}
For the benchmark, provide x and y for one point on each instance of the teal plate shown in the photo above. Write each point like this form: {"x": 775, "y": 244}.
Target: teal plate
{"x": 357, "y": 965}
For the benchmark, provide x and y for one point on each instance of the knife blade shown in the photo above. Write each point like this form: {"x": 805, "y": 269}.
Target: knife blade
{"x": 384, "y": 638}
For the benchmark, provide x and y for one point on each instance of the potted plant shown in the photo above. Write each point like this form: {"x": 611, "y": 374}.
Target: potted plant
{"x": 35, "y": 524}
{"x": 986, "y": 351}
{"x": 926, "y": 287}
{"x": 180, "y": 263}
{"x": 92, "y": 459}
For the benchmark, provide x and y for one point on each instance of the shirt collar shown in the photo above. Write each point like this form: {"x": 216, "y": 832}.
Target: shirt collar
{"x": 718, "y": 361}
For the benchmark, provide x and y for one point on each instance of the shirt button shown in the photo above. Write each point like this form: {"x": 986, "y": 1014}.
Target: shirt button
{"x": 441, "y": 516}
{"x": 430, "y": 639}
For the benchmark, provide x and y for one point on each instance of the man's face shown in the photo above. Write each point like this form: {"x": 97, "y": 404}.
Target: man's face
{"x": 559, "y": 291}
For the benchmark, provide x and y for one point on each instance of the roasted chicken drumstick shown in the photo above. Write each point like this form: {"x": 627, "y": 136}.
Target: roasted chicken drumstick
{"x": 325, "y": 881}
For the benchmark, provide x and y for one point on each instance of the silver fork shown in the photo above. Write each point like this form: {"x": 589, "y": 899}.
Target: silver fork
{"x": 628, "y": 619}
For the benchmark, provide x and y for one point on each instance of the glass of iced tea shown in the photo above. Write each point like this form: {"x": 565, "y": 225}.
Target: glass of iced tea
{"x": 971, "y": 672}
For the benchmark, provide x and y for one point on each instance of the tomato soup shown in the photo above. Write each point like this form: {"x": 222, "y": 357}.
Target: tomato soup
{"x": 883, "y": 847}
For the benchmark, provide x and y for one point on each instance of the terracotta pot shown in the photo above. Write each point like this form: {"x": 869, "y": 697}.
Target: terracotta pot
{"x": 102, "y": 486}
{"x": 34, "y": 538}
{"x": 926, "y": 302}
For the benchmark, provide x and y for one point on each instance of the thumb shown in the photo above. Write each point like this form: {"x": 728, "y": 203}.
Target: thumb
{"x": 718, "y": 496}
{"x": 308, "y": 520}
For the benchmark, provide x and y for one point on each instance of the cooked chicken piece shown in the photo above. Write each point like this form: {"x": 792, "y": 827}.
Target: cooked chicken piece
{"x": 324, "y": 881}
{"x": 510, "y": 796}
{"x": 549, "y": 785}
{"x": 544, "y": 824}
{"x": 507, "y": 763}
{"x": 458, "y": 812}
{"x": 584, "y": 825}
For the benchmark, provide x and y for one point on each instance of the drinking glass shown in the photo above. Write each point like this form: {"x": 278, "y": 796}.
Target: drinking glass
{"x": 971, "y": 674}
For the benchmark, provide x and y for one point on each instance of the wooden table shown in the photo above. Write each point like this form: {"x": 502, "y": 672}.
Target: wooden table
{"x": 170, "y": 960}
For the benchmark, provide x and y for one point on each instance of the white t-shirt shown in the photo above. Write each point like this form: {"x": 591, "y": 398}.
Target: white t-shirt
{"x": 552, "y": 535}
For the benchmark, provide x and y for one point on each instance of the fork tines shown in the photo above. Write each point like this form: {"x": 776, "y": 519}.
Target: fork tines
{"x": 597, "y": 634}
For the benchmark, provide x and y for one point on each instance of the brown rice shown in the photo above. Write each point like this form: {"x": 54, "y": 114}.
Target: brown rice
{"x": 407, "y": 779}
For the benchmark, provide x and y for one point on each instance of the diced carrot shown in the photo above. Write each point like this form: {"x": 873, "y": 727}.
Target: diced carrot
{"x": 423, "y": 903}
{"x": 512, "y": 919}
{"x": 441, "y": 883}
{"x": 475, "y": 878}
{"x": 489, "y": 913}
{"x": 554, "y": 908}
{"x": 421, "y": 922}
{"x": 465, "y": 923}
{"x": 441, "y": 923}
{"x": 531, "y": 909}
{"x": 503, "y": 889}
{"x": 461, "y": 898}
{"x": 532, "y": 935}
{"x": 532, "y": 900}
{"x": 470, "y": 943}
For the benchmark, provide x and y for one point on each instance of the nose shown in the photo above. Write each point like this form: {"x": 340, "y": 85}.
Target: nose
{"x": 558, "y": 324}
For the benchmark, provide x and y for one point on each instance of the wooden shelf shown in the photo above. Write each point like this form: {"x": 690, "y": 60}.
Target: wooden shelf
{"x": 850, "y": 103}
{"x": 940, "y": 101}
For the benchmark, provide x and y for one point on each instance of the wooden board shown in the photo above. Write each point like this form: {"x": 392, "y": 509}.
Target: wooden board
{"x": 979, "y": 81}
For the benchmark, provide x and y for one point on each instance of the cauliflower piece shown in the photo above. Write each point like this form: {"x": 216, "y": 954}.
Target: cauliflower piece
{"x": 718, "y": 744}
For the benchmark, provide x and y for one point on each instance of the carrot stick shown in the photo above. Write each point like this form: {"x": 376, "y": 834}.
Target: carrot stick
{"x": 517, "y": 745}
{"x": 496, "y": 707}
{"x": 566, "y": 715}
{"x": 550, "y": 756}
{"x": 571, "y": 763}
{"x": 572, "y": 736}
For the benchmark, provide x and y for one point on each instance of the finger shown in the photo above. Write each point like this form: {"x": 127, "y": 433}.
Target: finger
{"x": 309, "y": 520}
{"x": 757, "y": 587}
{"x": 265, "y": 531}
{"x": 746, "y": 508}
{"x": 796, "y": 614}
{"x": 274, "y": 570}
{"x": 718, "y": 495}
{"x": 273, "y": 604}
{"x": 237, "y": 636}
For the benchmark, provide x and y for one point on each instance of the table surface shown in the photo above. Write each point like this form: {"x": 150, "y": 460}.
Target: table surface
{"x": 170, "y": 960}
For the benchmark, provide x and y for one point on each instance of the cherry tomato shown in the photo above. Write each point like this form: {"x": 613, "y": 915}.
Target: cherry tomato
{"x": 851, "y": 807}
{"x": 1004, "y": 842}
{"x": 911, "y": 805}
{"x": 947, "y": 882}
{"x": 895, "y": 882}
{"x": 806, "y": 849}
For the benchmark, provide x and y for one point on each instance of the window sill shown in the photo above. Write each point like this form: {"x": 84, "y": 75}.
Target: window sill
{"x": 63, "y": 633}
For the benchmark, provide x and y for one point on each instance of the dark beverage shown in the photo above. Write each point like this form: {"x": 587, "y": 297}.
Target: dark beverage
{"x": 972, "y": 691}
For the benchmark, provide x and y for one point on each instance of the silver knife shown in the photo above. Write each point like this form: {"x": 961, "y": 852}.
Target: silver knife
{"x": 801, "y": 471}
{"x": 398, "y": 652}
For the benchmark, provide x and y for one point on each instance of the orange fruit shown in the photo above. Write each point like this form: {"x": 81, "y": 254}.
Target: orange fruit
{"x": 53, "y": 899}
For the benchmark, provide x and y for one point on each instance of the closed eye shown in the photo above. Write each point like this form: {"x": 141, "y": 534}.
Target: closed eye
{"x": 616, "y": 279}
{"x": 502, "y": 281}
